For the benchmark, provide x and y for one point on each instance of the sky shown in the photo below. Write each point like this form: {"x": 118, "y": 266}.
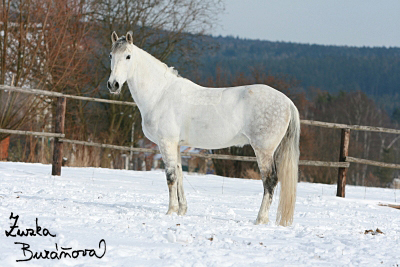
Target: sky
{"x": 336, "y": 22}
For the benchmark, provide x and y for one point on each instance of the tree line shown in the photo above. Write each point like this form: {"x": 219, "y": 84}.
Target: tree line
{"x": 372, "y": 70}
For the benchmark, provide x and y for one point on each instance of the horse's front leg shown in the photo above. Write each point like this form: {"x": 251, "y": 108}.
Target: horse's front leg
{"x": 170, "y": 157}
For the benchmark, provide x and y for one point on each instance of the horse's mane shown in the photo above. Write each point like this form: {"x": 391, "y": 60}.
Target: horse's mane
{"x": 122, "y": 44}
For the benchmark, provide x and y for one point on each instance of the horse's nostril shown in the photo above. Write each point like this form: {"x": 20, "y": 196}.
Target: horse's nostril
{"x": 116, "y": 85}
{"x": 108, "y": 85}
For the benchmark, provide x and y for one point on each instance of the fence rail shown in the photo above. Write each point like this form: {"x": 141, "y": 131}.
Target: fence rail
{"x": 373, "y": 163}
{"x": 343, "y": 164}
{"x": 56, "y": 94}
{"x": 44, "y": 134}
{"x": 350, "y": 127}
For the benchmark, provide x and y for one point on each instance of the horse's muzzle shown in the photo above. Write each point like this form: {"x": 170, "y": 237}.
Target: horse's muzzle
{"x": 114, "y": 87}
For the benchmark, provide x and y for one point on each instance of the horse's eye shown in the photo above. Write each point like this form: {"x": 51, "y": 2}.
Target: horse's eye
{"x": 110, "y": 56}
{"x": 128, "y": 57}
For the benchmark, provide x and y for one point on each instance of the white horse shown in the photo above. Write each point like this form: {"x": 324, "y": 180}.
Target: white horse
{"x": 176, "y": 111}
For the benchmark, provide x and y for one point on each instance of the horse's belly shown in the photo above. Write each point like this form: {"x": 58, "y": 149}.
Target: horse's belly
{"x": 215, "y": 143}
{"x": 212, "y": 126}
{"x": 212, "y": 136}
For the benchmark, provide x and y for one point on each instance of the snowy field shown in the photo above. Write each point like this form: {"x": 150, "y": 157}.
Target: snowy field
{"x": 127, "y": 210}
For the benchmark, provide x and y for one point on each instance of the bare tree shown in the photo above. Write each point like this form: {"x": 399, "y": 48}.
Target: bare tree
{"x": 44, "y": 44}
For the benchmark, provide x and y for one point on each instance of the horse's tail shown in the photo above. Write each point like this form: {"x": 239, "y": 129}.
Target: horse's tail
{"x": 287, "y": 156}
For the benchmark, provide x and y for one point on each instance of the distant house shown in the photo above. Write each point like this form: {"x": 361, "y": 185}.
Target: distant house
{"x": 193, "y": 164}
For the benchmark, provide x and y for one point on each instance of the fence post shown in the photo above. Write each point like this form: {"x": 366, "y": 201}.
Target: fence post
{"x": 59, "y": 128}
{"x": 344, "y": 152}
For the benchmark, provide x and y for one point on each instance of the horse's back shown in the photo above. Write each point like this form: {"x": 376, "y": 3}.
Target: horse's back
{"x": 249, "y": 94}
{"x": 256, "y": 100}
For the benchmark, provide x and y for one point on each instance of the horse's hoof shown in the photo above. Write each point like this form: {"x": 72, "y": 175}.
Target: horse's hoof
{"x": 171, "y": 211}
{"x": 182, "y": 211}
{"x": 261, "y": 221}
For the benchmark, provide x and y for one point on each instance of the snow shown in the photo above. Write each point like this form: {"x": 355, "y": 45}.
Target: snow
{"x": 127, "y": 210}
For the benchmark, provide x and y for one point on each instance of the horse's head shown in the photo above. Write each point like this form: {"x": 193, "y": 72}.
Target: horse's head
{"x": 121, "y": 62}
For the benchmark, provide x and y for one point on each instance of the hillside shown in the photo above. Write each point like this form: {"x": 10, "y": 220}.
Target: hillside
{"x": 375, "y": 71}
{"x": 127, "y": 210}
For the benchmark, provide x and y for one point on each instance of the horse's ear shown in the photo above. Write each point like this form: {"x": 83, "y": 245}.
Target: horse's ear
{"x": 129, "y": 37}
{"x": 114, "y": 37}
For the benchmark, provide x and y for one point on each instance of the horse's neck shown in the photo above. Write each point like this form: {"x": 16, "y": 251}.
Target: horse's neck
{"x": 148, "y": 80}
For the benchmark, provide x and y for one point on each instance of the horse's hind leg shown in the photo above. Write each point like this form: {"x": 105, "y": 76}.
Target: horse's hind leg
{"x": 269, "y": 177}
{"x": 181, "y": 194}
{"x": 170, "y": 157}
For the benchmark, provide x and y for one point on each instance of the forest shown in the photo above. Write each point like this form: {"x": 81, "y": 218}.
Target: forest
{"x": 63, "y": 46}
{"x": 372, "y": 70}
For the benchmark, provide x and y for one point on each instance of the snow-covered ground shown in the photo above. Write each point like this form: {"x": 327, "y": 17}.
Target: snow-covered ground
{"x": 126, "y": 209}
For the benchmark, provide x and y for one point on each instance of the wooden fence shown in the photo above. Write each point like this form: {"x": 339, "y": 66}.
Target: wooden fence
{"x": 59, "y": 138}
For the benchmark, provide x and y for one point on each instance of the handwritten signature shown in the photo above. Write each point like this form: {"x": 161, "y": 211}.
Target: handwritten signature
{"x": 58, "y": 253}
